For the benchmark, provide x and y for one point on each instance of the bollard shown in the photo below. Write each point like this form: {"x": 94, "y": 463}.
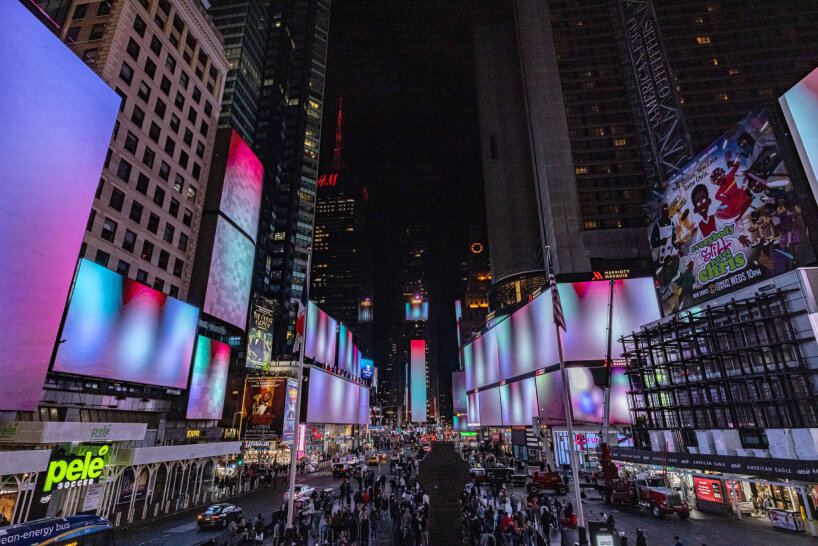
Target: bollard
{"x": 583, "y": 537}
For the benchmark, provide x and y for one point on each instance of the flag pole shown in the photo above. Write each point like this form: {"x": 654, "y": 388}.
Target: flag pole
{"x": 297, "y": 421}
{"x": 566, "y": 395}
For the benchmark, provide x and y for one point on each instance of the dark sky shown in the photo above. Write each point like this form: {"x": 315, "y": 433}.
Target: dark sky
{"x": 410, "y": 133}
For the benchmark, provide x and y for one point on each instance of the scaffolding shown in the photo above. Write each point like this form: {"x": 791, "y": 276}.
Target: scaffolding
{"x": 736, "y": 365}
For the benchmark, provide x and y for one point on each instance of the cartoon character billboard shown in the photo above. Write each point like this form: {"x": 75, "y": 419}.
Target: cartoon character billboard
{"x": 729, "y": 218}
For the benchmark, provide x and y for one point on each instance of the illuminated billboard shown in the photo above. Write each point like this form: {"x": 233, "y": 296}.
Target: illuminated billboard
{"x": 356, "y": 361}
{"x": 800, "y": 105}
{"x": 230, "y": 274}
{"x": 417, "y": 309}
{"x": 120, "y": 329}
{"x": 241, "y": 192}
{"x": 518, "y": 402}
{"x": 473, "y": 413}
{"x": 728, "y": 219}
{"x": 491, "y": 414}
{"x": 260, "y": 334}
{"x": 417, "y": 369}
{"x": 525, "y": 341}
{"x": 367, "y": 368}
{"x": 321, "y": 335}
{"x": 290, "y": 400}
{"x": 332, "y": 399}
{"x": 263, "y": 408}
{"x": 57, "y": 121}
{"x": 345, "y": 349}
{"x": 459, "y": 399}
{"x": 208, "y": 379}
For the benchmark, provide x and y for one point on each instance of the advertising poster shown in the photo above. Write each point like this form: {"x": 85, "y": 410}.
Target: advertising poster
{"x": 728, "y": 219}
{"x": 260, "y": 334}
{"x": 208, "y": 380}
{"x": 708, "y": 490}
{"x": 263, "y": 409}
{"x": 289, "y": 412}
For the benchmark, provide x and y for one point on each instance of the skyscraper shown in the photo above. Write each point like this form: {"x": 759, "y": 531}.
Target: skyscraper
{"x": 166, "y": 62}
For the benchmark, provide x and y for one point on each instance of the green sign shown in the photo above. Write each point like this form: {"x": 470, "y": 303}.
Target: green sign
{"x": 468, "y": 434}
{"x": 76, "y": 473}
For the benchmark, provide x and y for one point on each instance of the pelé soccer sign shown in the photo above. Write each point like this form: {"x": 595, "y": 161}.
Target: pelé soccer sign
{"x": 65, "y": 474}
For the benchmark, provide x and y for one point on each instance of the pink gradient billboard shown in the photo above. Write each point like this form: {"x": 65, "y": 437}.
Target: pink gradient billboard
{"x": 241, "y": 192}
{"x": 57, "y": 122}
{"x": 490, "y": 408}
{"x": 800, "y": 108}
{"x": 417, "y": 368}
{"x": 321, "y": 335}
{"x": 518, "y": 402}
{"x": 334, "y": 400}
{"x": 208, "y": 380}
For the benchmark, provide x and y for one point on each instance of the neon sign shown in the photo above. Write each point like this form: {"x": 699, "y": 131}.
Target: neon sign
{"x": 610, "y": 275}
{"x": 79, "y": 472}
{"x": 327, "y": 180}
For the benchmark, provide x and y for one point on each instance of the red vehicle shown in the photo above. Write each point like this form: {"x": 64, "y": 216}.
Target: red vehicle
{"x": 645, "y": 491}
{"x": 546, "y": 481}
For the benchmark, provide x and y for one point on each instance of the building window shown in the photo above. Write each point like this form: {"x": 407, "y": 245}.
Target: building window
{"x": 187, "y": 218}
{"x": 159, "y": 196}
{"x": 170, "y": 146}
{"x": 153, "y": 223}
{"x": 178, "y": 183}
{"x": 178, "y": 265}
{"x": 131, "y": 142}
{"x": 126, "y": 73}
{"x": 197, "y": 170}
{"x": 188, "y": 138}
{"x": 144, "y": 92}
{"x": 133, "y": 49}
{"x": 183, "y": 158}
{"x": 160, "y": 108}
{"x": 174, "y": 207}
{"x": 170, "y": 64}
{"x": 156, "y": 46}
{"x": 72, "y": 35}
{"x": 191, "y": 193}
{"x": 137, "y": 116}
{"x": 104, "y": 8}
{"x": 129, "y": 242}
{"x": 182, "y": 242}
{"x": 204, "y": 127}
{"x": 200, "y": 149}
{"x": 164, "y": 85}
{"x": 197, "y": 95}
{"x": 100, "y": 186}
{"x": 154, "y": 132}
{"x": 702, "y": 40}
{"x": 208, "y": 109}
{"x": 158, "y": 284}
{"x": 90, "y": 56}
{"x": 102, "y": 258}
{"x": 89, "y": 226}
{"x": 96, "y": 32}
{"x": 168, "y": 235}
{"x": 136, "y": 212}
{"x": 141, "y": 276}
{"x": 148, "y": 157}
{"x": 117, "y": 200}
{"x": 124, "y": 170}
{"x": 179, "y": 101}
{"x": 150, "y": 68}
{"x": 620, "y": 142}
{"x": 109, "y": 229}
{"x": 184, "y": 79}
{"x": 191, "y": 115}
{"x": 142, "y": 184}
{"x": 174, "y": 291}
{"x": 164, "y": 171}
{"x": 80, "y": 11}
{"x": 147, "y": 250}
{"x": 164, "y": 258}
{"x": 123, "y": 267}
{"x": 174, "y": 123}
{"x": 139, "y": 26}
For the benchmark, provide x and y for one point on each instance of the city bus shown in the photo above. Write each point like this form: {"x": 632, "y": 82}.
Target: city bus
{"x": 68, "y": 531}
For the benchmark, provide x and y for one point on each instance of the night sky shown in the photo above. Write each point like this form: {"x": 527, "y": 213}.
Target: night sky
{"x": 410, "y": 134}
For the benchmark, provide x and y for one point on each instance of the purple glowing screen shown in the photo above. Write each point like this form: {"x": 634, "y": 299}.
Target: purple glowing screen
{"x": 57, "y": 122}
{"x": 208, "y": 380}
{"x": 120, "y": 329}
{"x": 334, "y": 400}
{"x": 321, "y": 334}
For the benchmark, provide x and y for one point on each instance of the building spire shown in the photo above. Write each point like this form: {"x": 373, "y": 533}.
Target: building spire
{"x": 336, "y": 152}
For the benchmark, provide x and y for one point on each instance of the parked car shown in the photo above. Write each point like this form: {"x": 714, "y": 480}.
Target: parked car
{"x": 219, "y": 515}
{"x": 302, "y": 492}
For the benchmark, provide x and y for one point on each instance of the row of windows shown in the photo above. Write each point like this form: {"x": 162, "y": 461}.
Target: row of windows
{"x": 123, "y": 268}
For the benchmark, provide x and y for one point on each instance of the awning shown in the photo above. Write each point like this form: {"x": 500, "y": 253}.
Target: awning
{"x": 162, "y": 454}
{"x": 22, "y": 462}
{"x": 36, "y": 432}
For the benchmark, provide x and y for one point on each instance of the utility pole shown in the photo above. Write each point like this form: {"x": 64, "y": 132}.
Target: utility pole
{"x": 606, "y": 394}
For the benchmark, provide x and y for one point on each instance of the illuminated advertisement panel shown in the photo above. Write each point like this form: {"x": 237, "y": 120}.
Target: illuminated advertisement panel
{"x": 467, "y": 354}
{"x": 728, "y": 219}
{"x": 800, "y": 105}
{"x": 208, "y": 380}
{"x": 363, "y": 406}
{"x": 263, "y": 408}
{"x": 550, "y": 399}
{"x": 241, "y": 192}
{"x": 459, "y": 399}
{"x": 57, "y": 121}
{"x": 356, "y": 361}
{"x": 231, "y": 270}
{"x": 120, "y": 329}
{"x": 332, "y": 399}
{"x": 586, "y": 395}
{"x": 708, "y": 490}
{"x": 290, "y": 400}
{"x": 417, "y": 363}
{"x": 473, "y": 413}
{"x": 367, "y": 368}
{"x": 490, "y": 407}
{"x": 526, "y": 340}
{"x": 518, "y": 402}
{"x": 321, "y": 335}
{"x": 344, "y": 348}
{"x": 260, "y": 334}
{"x": 417, "y": 310}
{"x": 486, "y": 358}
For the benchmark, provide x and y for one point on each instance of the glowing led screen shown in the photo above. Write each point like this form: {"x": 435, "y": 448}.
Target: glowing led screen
{"x": 367, "y": 367}
{"x": 800, "y": 105}
{"x": 208, "y": 380}
{"x": 334, "y": 400}
{"x": 344, "y": 348}
{"x": 120, "y": 329}
{"x": 526, "y": 340}
{"x": 518, "y": 402}
{"x": 417, "y": 368}
{"x": 241, "y": 192}
{"x": 729, "y": 218}
{"x": 490, "y": 408}
{"x": 356, "y": 361}
{"x": 263, "y": 408}
{"x": 231, "y": 270}
{"x": 459, "y": 399}
{"x": 57, "y": 121}
{"x": 473, "y": 413}
{"x": 321, "y": 335}
{"x": 417, "y": 310}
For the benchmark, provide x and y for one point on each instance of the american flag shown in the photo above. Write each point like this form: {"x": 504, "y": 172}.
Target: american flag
{"x": 559, "y": 318}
